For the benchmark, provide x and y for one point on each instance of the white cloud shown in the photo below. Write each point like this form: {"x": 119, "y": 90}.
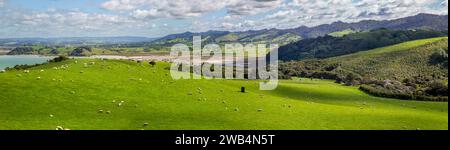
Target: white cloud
{"x": 66, "y": 23}
{"x": 160, "y": 17}
{"x": 189, "y": 8}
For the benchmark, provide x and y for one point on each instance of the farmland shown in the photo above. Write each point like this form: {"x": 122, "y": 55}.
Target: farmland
{"x": 82, "y": 94}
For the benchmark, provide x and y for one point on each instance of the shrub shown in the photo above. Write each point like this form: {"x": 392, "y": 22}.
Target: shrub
{"x": 153, "y": 63}
{"x": 59, "y": 59}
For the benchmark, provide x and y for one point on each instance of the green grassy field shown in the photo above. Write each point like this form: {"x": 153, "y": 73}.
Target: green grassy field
{"x": 86, "y": 94}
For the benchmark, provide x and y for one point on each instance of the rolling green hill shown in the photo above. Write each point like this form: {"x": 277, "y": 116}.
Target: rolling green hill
{"x": 113, "y": 94}
{"x": 329, "y": 46}
{"x": 400, "y": 61}
{"x": 413, "y": 70}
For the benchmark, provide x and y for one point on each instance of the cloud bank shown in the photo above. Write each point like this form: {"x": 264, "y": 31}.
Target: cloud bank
{"x": 161, "y": 17}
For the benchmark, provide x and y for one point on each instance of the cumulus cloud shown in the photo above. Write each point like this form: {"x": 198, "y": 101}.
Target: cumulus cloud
{"x": 63, "y": 23}
{"x": 188, "y": 8}
{"x": 143, "y": 17}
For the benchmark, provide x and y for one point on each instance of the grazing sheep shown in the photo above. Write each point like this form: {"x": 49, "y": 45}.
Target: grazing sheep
{"x": 38, "y": 78}
{"x": 2, "y": 71}
{"x": 100, "y": 111}
{"x": 51, "y": 116}
{"x": 42, "y": 70}
{"x": 59, "y": 128}
{"x": 108, "y": 112}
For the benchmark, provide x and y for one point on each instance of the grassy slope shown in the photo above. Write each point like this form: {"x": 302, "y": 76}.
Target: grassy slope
{"x": 398, "y": 61}
{"x": 74, "y": 99}
{"x": 342, "y": 33}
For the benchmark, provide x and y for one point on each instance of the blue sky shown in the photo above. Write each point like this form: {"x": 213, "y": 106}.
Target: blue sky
{"x": 155, "y": 18}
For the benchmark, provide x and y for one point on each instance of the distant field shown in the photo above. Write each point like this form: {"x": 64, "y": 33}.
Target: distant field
{"x": 342, "y": 33}
{"x": 88, "y": 94}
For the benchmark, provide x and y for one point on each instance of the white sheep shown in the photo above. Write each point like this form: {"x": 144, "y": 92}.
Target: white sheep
{"x": 59, "y": 128}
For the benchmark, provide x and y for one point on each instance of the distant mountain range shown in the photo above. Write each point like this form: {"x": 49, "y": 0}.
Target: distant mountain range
{"x": 280, "y": 36}
{"x": 286, "y": 36}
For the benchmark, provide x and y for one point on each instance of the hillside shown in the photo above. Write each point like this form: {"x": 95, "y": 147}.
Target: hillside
{"x": 413, "y": 70}
{"x": 420, "y": 21}
{"x": 328, "y": 46}
{"x": 286, "y": 36}
{"x": 400, "y": 62}
{"x": 85, "y": 94}
{"x": 261, "y": 36}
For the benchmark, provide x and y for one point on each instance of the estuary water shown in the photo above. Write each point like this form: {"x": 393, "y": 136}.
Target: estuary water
{"x": 12, "y": 60}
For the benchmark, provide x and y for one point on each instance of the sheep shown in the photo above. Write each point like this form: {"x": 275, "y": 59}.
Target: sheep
{"x": 260, "y": 110}
{"x": 59, "y": 128}
{"x": 38, "y": 78}
{"x": 100, "y": 111}
{"x": 108, "y": 112}
{"x": 72, "y": 92}
{"x": 2, "y": 71}
{"x": 42, "y": 70}
{"x": 51, "y": 116}
{"x": 26, "y": 71}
